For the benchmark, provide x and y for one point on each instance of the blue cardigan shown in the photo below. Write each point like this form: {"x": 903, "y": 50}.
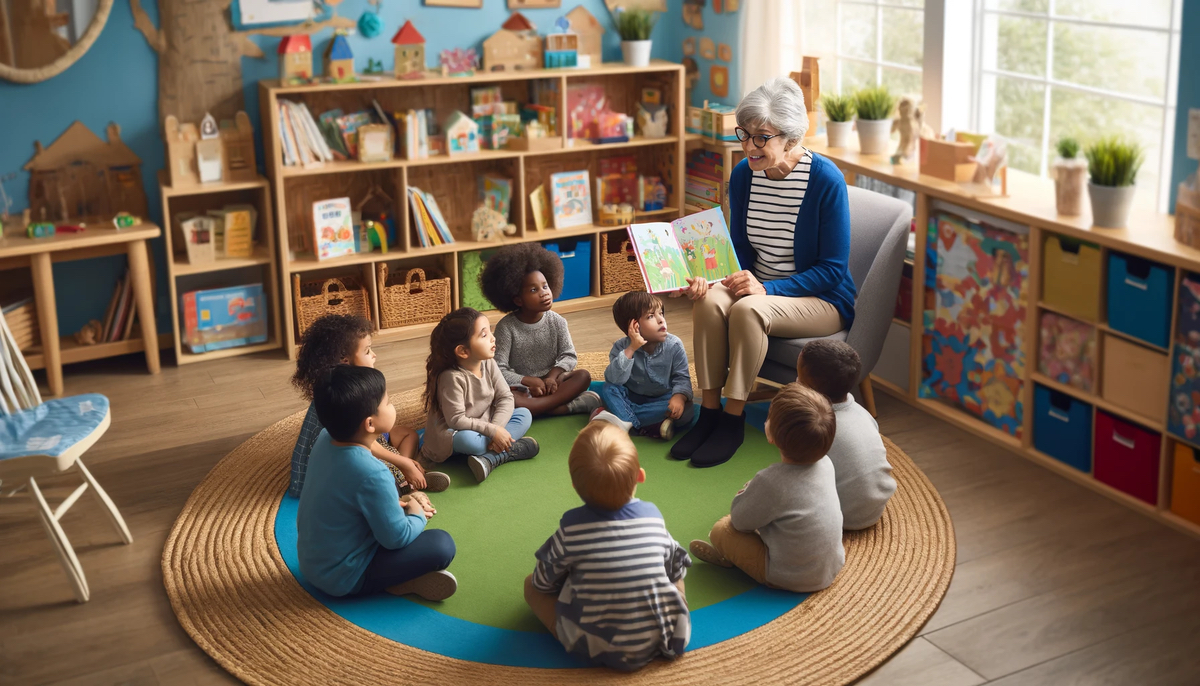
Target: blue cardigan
{"x": 822, "y": 237}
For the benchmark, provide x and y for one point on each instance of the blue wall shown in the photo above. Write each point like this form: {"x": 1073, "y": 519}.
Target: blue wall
{"x": 1189, "y": 93}
{"x": 722, "y": 28}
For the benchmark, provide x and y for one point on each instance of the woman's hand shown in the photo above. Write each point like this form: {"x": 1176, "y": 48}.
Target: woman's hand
{"x": 744, "y": 283}
{"x": 696, "y": 289}
{"x": 501, "y": 440}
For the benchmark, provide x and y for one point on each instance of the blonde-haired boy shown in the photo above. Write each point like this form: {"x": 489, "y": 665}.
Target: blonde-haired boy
{"x": 784, "y": 528}
{"x": 608, "y": 603}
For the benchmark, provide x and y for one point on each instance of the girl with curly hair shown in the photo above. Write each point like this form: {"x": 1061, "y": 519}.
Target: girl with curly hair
{"x": 533, "y": 345}
{"x": 344, "y": 339}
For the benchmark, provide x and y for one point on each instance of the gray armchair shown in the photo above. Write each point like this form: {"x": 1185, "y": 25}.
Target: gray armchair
{"x": 879, "y": 228}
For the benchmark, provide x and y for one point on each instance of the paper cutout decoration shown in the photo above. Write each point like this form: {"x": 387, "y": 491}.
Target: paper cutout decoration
{"x": 692, "y": 71}
{"x": 708, "y": 49}
{"x": 724, "y": 52}
{"x": 614, "y": 5}
{"x": 455, "y": 3}
{"x": 718, "y": 5}
{"x": 718, "y": 80}
{"x": 731, "y": 6}
{"x": 528, "y": 4}
{"x": 689, "y": 46}
{"x": 693, "y": 14}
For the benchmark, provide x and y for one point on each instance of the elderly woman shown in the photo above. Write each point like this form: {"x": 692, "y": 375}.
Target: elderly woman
{"x": 790, "y": 226}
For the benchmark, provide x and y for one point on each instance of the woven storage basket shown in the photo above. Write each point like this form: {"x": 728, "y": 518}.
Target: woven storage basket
{"x": 618, "y": 268}
{"x": 315, "y": 299}
{"x": 406, "y": 302}
{"x": 23, "y": 322}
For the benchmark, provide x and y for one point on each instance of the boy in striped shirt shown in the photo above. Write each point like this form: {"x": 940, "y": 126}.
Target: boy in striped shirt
{"x": 609, "y": 582}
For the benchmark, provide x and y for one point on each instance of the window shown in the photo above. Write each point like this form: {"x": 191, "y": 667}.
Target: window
{"x": 861, "y": 42}
{"x": 1083, "y": 68}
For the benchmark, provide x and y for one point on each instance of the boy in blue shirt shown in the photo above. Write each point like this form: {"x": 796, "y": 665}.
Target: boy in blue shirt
{"x": 647, "y": 387}
{"x": 354, "y": 536}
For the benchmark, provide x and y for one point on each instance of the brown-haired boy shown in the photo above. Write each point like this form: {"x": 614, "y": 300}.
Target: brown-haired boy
{"x": 647, "y": 386}
{"x": 588, "y": 565}
{"x": 864, "y": 476}
{"x": 785, "y": 526}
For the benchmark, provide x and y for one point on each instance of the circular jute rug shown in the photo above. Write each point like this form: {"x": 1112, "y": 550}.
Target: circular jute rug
{"x": 235, "y": 597}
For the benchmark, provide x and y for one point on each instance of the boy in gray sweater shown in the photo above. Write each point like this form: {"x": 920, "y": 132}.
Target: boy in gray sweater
{"x": 785, "y": 527}
{"x": 864, "y": 476}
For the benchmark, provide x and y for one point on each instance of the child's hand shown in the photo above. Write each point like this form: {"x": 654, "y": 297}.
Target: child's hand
{"x": 635, "y": 335}
{"x": 551, "y": 381}
{"x": 501, "y": 440}
{"x": 675, "y": 407}
{"x": 413, "y": 507}
{"x": 423, "y": 499}
{"x": 536, "y": 386}
{"x": 413, "y": 473}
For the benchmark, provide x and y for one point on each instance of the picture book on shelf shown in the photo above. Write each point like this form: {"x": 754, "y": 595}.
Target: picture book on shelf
{"x": 571, "y": 199}
{"x": 695, "y": 245}
{"x": 542, "y": 217}
{"x": 333, "y": 228}
{"x": 430, "y": 224}
{"x": 496, "y": 192}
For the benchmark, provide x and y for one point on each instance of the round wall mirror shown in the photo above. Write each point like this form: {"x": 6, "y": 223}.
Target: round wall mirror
{"x": 41, "y": 38}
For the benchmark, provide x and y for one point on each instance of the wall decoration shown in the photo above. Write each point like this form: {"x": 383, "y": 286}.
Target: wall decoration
{"x": 724, "y": 52}
{"x": 689, "y": 46}
{"x": 718, "y": 6}
{"x": 473, "y": 4}
{"x": 652, "y": 5}
{"x": 718, "y": 80}
{"x": 731, "y": 6}
{"x": 708, "y": 49}
{"x": 691, "y": 70}
{"x": 693, "y": 14}
{"x": 269, "y": 12}
{"x": 369, "y": 24}
{"x": 532, "y": 4}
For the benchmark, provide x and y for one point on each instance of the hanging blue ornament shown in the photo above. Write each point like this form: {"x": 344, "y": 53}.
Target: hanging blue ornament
{"x": 370, "y": 25}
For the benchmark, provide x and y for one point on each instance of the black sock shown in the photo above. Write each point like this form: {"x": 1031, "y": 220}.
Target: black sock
{"x": 724, "y": 441}
{"x": 699, "y": 433}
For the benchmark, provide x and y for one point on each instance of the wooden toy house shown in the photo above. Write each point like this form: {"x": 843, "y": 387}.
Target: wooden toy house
{"x": 339, "y": 60}
{"x": 719, "y": 122}
{"x": 410, "y": 52}
{"x": 236, "y": 151}
{"x": 809, "y": 80}
{"x": 591, "y": 36}
{"x": 562, "y": 47}
{"x": 462, "y": 134}
{"x": 80, "y": 176}
{"x": 508, "y": 50}
{"x": 295, "y": 59}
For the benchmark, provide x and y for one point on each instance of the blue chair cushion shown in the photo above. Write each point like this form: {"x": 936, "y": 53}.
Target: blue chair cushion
{"x": 53, "y": 427}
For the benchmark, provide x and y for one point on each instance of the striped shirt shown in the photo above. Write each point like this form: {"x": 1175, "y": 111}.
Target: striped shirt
{"x": 771, "y": 220}
{"x": 615, "y": 573}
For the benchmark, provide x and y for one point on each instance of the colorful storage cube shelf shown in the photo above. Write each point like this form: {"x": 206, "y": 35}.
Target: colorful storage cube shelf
{"x": 1127, "y": 457}
{"x": 470, "y": 265}
{"x": 1062, "y": 427}
{"x": 576, "y": 254}
{"x": 1071, "y": 277}
{"x": 1185, "y": 483}
{"x": 1135, "y": 377}
{"x": 1067, "y": 352}
{"x": 1183, "y": 415}
{"x": 1139, "y": 298}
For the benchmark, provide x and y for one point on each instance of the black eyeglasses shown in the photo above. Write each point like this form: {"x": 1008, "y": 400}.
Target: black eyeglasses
{"x": 759, "y": 140}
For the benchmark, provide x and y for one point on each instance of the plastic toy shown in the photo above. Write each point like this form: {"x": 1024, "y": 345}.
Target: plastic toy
{"x": 40, "y": 230}
{"x": 124, "y": 220}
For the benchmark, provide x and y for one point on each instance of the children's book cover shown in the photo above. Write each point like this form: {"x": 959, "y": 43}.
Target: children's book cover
{"x": 571, "y": 199}
{"x": 696, "y": 245}
{"x": 333, "y": 228}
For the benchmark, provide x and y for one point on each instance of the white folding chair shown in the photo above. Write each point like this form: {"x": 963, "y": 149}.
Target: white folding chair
{"x": 40, "y": 439}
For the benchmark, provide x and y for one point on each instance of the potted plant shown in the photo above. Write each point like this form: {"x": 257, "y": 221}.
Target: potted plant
{"x": 839, "y": 119}
{"x": 874, "y": 106}
{"x": 1070, "y": 170}
{"x": 1113, "y": 164}
{"x": 635, "y": 25}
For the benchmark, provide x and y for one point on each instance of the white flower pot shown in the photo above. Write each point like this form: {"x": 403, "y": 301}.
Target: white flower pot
{"x": 1111, "y": 205}
{"x": 636, "y": 52}
{"x": 873, "y": 136}
{"x": 1069, "y": 178}
{"x": 838, "y": 133}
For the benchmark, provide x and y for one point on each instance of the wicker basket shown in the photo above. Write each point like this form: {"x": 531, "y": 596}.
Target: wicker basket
{"x": 618, "y": 267}
{"x": 315, "y": 299}
{"x": 23, "y": 322}
{"x": 402, "y": 303}
{"x": 1187, "y": 217}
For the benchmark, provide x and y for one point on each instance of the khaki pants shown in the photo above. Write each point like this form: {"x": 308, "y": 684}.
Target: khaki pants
{"x": 746, "y": 551}
{"x": 730, "y": 334}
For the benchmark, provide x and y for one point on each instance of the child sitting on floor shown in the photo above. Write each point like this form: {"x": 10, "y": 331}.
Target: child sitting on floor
{"x": 864, "y": 476}
{"x": 533, "y": 344}
{"x": 353, "y": 535}
{"x": 609, "y": 582}
{"x": 469, "y": 405}
{"x": 647, "y": 386}
{"x": 785, "y": 526}
{"x": 344, "y": 339}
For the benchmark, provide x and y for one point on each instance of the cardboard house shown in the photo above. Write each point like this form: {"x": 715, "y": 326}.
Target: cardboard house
{"x": 591, "y": 35}
{"x": 462, "y": 134}
{"x": 507, "y": 50}
{"x": 410, "y": 52}
{"x": 236, "y": 145}
{"x": 80, "y": 176}
{"x": 295, "y": 59}
{"x": 339, "y": 60}
{"x": 562, "y": 50}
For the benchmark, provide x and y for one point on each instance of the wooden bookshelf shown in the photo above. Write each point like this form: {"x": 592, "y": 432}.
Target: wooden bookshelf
{"x": 451, "y": 180}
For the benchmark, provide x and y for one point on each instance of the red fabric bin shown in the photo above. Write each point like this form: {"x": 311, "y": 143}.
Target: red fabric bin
{"x": 1126, "y": 457}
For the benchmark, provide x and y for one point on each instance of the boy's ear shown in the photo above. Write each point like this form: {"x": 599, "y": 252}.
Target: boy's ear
{"x": 767, "y": 432}
{"x": 641, "y": 478}
{"x": 368, "y": 424}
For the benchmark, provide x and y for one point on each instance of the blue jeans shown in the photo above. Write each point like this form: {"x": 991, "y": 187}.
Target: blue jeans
{"x": 474, "y": 443}
{"x": 639, "y": 409}
{"x": 429, "y": 552}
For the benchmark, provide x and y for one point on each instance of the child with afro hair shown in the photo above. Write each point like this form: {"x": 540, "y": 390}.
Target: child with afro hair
{"x": 533, "y": 345}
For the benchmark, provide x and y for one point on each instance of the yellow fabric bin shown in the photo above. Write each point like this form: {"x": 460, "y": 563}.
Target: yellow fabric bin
{"x": 1071, "y": 277}
{"x": 1185, "y": 484}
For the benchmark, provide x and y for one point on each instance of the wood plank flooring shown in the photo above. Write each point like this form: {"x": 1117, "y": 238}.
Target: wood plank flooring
{"x": 1054, "y": 585}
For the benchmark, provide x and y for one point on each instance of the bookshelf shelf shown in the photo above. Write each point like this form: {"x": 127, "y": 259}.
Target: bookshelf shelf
{"x": 451, "y": 180}
{"x": 182, "y": 267}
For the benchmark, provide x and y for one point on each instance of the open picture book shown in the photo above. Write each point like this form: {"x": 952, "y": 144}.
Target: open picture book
{"x": 696, "y": 245}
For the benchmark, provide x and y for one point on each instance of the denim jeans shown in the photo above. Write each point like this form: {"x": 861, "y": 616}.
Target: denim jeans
{"x": 474, "y": 443}
{"x": 429, "y": 552}
{"x": 640, "y": 409}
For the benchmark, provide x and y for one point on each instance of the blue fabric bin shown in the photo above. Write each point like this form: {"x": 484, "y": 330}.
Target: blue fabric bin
{"x": 576, "y": 254}
{"x": 1139, "y": 298}
{"x": 1062, "y": 427}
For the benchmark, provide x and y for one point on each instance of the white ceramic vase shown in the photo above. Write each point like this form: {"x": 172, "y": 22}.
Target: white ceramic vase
{"x": 874, "y": 135}
{"x": 838, "y": 133}
{"x": 1111, "y": 205}
{"x": 636, "y": 52}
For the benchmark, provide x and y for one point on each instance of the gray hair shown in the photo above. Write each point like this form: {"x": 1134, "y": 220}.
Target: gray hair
{"x": 778, "y": 103}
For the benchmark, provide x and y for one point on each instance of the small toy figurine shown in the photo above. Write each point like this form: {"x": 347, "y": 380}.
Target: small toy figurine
{"x": 488, "y": 224}
{"x": 910, "y": 122}
{"x": 295, "y": 60}
{"x": 40, "y": 230}
{"x": 652, "y": 120}
{"x": 374, "y": 66}
{"x": 90, "y": 333}
{"x": 124, "y": 220}
{"x": 410, "y": 52}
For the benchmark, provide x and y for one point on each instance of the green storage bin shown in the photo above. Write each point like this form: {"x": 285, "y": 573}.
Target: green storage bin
{"x": 1071, "y": 277}
{"x": 470, "y": 265}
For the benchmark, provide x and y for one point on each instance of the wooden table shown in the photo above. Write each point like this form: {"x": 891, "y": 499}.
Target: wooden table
{"x": 99, "y": 239}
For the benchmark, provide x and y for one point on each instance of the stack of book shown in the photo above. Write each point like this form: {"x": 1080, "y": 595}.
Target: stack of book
{"x": 303, "y": 142}
{"x": 705, "y": 185}
{"x": 428, "y": 221}
{"x": 118, "y": 320}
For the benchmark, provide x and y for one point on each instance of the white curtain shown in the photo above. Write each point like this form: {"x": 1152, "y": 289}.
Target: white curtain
{"x": 762, "y": 40}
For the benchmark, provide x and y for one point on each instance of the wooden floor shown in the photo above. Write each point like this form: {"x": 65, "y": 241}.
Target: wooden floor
{"x": 1055, "y": 584}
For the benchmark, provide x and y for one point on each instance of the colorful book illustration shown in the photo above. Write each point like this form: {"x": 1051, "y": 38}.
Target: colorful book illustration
{"x": 571, "y": 199}
{"x": 333, "y": 228}
{"x": 695, "y": 245}
{"x": 348, "y": 125}
{"x": 496, "y": 192}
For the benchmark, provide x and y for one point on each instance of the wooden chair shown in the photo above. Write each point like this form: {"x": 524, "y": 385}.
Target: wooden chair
{"x": 44, "y": 439}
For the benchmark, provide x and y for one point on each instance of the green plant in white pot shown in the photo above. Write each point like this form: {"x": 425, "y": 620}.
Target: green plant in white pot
{"x": 1113, "y": 164}
{"x": 839, "y": 119}
{"x": 1070, "y": 171}
{"x": 875, "y": 106}
{"x": 634, "y": 25}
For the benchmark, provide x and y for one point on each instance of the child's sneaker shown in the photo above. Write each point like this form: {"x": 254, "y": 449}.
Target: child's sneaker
{"x": 586, "y": 403}
{"x": 703, "y": 550}
{"x": 606, "y": 416}
{"x": 480, "y": 467}
{"x": 432, "y": 586}
{"x": 664, "y": 430}
{"x": 436, "y": 482}
{"x": 521, "y": 449}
